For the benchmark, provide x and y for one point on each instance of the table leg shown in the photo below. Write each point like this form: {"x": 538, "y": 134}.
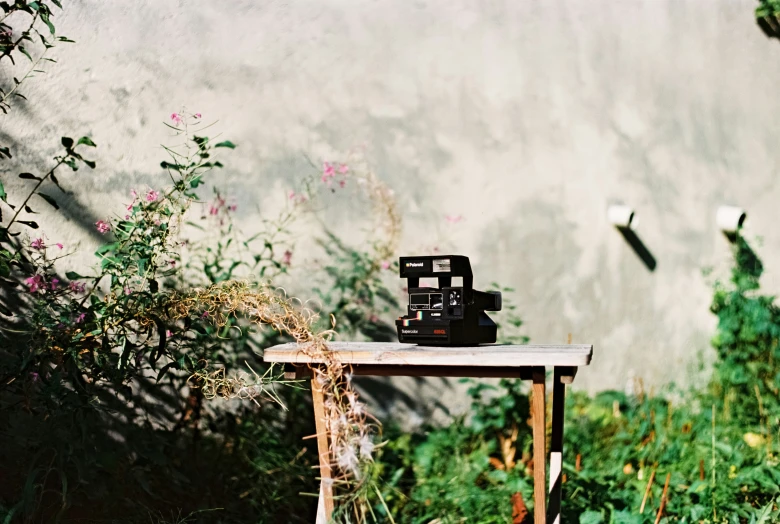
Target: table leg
{"x": 540, "y": 455}
{"x": 556, "y": 446}
{"x": 325, "y": 504}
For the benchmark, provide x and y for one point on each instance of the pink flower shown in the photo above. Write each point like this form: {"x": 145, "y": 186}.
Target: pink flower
{"x": 134, "y": 195}
{"x": 80, "y": 318}
{"x": 35, "y": 377}
{"x": 232, "y": 207}
{"x": 127, "y": 217}
{"x": 157, "y": 222}
{"x": 152, "y": 195}
{"x": 287, "y": 257}
{"x": 128, "y": 291}
{"x": 197, "y": 115}
{"x": 291, "y": 195}
{"x": 343, "y": 169}
{"x": 37, "y": 244}
{"x": 373, "y": 319}
{"x": 205, "y": 314}
{"x": 77, "y": 287}
{"x": 35, "y": 283}
{"x": 168, "y": 333}
{"x": 342, "y": 183}
{"x": 59, "y": 245}
{"x": 176, "y": 118}
{"x": 213, "y": 210}
{"x": 53, "y": 283}
{"x": 102, "y": 226}
{"x": 385, "y": 264}
{"x": 452, "y": 219}
{"x": 328, "y": 171}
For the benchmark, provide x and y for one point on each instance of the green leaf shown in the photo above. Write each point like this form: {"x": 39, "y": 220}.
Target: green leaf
{"x": 50, "y": 200}
{"x": 106, "y": 247}
{"x": 56, "y": 182}
{"x": 45, "y": 18}
{"x": 90, "y": 163}
{"x": 72, "y": 275}
{"x": 196, "y": 181}
{"x": 226, "y": 143}
{"x": 162, "y": 333}
{"x": 3, "y": 194}
{"x": 57, "y": 3}
{"x": 25, "y": 53}
{"x": 165, "y": 368}
{"x": 591, "y": 517}
{"x": 169, "y": 165}
{"x": 30, "y": 224}
{"x": 86, "y": 141}
{"x": 128, "y": 347}
{"x": 28, "y": 176}
{"x": 67, "y": 142}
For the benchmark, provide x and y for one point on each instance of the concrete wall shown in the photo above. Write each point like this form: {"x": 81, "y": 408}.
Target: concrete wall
{"x": 526, "y": 118}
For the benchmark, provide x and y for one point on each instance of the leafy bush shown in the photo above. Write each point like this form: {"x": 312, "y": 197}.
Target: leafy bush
{"x": 717, "y": 447}
{"x": 91, "y": 408}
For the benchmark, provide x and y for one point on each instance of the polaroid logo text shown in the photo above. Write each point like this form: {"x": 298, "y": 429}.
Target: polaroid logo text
{"x": 414, "y": 264}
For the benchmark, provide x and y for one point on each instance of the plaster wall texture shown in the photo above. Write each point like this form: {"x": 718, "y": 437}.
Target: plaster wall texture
{"x": 525, "y": 118}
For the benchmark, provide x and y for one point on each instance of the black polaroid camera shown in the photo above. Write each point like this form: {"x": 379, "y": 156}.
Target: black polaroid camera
{"x": 446, "y": 315}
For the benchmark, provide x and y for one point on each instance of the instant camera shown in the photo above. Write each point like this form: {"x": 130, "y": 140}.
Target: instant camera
{"x": 445, "y": 315}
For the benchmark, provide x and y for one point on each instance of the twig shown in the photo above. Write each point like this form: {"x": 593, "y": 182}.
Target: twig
{"x": 647, "y": 492}
{"x": 712, "y": 485}
{"x": 663, "y": 499}
{"x": 27, "y": 75}
{"x": 29, "y": 196}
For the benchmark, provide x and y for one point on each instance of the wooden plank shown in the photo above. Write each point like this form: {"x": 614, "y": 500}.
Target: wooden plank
{"x": 299, "y": 371}
{"x": 326, "y": 481}
{"x": 540, "y": 455}
{"x": 556, "y": 445}
{"x": 378, "y": 370}
{"x": 383, "y": 353}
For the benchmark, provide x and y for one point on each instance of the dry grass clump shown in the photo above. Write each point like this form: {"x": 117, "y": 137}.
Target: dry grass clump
{"x": 350, "y": 427}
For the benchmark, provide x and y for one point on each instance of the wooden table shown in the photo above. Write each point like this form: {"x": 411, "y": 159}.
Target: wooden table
{"x": 527, "y": 362}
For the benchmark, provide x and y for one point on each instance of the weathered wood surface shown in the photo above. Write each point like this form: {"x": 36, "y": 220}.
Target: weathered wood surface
{"x": 538, "y": 414}
{"x": 326, "y": 485}
{"x": 388, "y": 354}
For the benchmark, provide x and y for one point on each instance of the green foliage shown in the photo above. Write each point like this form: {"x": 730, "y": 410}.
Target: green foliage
{"x": 768, "y": 17}
{"x": 747, "y": 373}
{"x": 718, "y": 446}
{"x": 357, "y": 296}
{"x": 28, "y": 40}
{"x": 96, "y": 415}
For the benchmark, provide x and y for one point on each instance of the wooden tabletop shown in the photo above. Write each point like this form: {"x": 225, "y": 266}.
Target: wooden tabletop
{"x": 396, "y": 354}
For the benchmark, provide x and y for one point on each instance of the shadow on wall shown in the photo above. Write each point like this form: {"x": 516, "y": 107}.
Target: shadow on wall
{"x": 639, "y": 247}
